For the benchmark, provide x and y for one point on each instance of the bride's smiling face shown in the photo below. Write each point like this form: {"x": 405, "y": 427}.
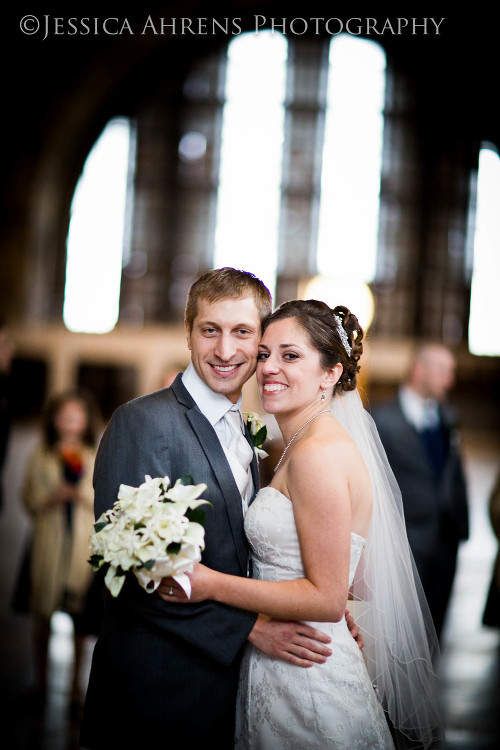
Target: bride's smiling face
{"x": 289, "y": 372}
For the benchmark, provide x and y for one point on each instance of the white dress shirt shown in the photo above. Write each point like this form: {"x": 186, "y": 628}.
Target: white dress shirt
{"x": 422, "y": 413}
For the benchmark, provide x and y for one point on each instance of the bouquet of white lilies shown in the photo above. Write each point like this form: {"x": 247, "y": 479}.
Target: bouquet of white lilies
{"x": 154, "y": 531}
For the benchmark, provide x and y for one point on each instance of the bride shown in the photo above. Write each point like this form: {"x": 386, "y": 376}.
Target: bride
{"x": 329, "y": 528}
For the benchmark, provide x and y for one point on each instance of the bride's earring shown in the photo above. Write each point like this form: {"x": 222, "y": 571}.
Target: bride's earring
{"x": 322, "y": 395}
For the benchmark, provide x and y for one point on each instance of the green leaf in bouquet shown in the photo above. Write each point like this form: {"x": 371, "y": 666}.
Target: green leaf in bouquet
{"x": 149, "y": 564}
{"x": 139, "y": 525}
{"x": 174, "y": 548}
{"x": 196, "y": 515}
{"x": 187, "y": 479}
{"x": 100, "y": 525}
{"x": 95, "y": 560}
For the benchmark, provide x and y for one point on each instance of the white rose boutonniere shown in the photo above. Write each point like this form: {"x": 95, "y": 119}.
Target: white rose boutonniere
{"x": 153, "y": 531}
{"x": 258, "y": 432}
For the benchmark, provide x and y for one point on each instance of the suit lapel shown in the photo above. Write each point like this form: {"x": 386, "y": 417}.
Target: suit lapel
{"x": 214, "y": 453}
{"x": 181, "y": 393}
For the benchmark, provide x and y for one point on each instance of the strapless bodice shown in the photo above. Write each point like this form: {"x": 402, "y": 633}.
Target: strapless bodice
{"x": 274, "y": 543}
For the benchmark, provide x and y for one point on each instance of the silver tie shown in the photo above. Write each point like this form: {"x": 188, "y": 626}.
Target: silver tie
{"x": 239, "y": 453}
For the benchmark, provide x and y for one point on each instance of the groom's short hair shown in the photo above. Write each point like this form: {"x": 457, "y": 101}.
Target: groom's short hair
{"x": 227, "y": 283}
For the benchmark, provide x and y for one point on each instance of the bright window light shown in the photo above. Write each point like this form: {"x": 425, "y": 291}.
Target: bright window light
{"x": 352, "y": 159}
{"x": 484, "y": 328}
{"x": 96, "y": 234}
{"x": 352, "y": 293}
{"x": 248, "y": 200}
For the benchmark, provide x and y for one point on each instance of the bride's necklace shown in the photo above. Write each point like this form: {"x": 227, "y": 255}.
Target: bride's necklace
{"x": 323, "y": 411}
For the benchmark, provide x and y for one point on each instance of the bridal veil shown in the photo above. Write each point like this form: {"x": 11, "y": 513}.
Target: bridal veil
{"x": 401, "y": 647}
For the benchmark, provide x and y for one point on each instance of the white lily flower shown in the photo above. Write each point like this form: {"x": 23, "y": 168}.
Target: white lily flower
{"x": 186, "y": 493}
{"x": 125, "y": 491}
{"x": 113, "y": 581}
{"x": 173, "y": 529}
{"x": 195, "y": 534}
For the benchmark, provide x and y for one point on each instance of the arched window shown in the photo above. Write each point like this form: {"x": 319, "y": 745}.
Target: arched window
{"x": 97, "y": 231}
{"x": 352, "y": 160}
{"x": 248, "y": 200}
{"x": 484, "y": 331}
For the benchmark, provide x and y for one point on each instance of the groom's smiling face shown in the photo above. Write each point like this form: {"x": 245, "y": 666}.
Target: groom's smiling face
{"x": 224, "y": 341}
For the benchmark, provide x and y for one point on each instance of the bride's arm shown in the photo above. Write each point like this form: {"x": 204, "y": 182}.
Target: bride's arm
{"x": 319, "y": 487}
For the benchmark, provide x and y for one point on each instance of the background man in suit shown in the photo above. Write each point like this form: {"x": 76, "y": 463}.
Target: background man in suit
{"x": 422, "y": 444}
{"x": 169, "y": 673}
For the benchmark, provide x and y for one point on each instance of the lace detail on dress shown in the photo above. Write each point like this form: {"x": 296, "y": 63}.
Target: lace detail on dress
{"x": 283, "y": 707}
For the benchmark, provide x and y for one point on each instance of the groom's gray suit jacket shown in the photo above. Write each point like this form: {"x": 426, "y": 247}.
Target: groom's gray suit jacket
{"x": 163, "y": 671}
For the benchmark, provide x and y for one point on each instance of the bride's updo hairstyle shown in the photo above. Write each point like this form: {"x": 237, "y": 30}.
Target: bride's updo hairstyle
{"x": 320, "y": 323}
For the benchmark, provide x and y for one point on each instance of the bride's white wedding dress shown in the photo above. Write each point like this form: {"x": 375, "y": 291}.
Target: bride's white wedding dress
{"x": 284, "y": 707}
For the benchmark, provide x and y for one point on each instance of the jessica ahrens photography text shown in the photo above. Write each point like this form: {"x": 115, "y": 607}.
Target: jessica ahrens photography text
{"x": 53, "y": 26}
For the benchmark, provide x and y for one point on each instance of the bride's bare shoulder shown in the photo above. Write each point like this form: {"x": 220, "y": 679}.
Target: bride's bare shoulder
{"x": 330, "y": 450}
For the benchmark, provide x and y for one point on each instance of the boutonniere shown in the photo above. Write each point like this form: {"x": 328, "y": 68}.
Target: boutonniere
{"x": 258, "y": 432}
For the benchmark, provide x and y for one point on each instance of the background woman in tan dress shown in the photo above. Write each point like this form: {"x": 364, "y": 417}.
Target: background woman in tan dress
{"x": 58, "y": 494}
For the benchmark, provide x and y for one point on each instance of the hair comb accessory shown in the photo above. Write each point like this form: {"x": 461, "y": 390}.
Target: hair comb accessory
{"x": 343, "y": 335}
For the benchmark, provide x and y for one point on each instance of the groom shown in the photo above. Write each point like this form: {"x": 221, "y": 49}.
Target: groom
{"x": 169, "y": 673}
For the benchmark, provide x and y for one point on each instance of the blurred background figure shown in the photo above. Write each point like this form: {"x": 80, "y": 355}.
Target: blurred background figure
{"x": 422, "y": 442}
{"x": 170, "y": 373}
{"x": 58, "y": 495}
{"x": 491, "y": 614}
{"x": 6, "y": 354}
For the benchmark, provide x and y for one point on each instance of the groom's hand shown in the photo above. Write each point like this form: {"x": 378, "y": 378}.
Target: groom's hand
{"x": 354, "y": 629}
{"x": 294, "y": 642}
